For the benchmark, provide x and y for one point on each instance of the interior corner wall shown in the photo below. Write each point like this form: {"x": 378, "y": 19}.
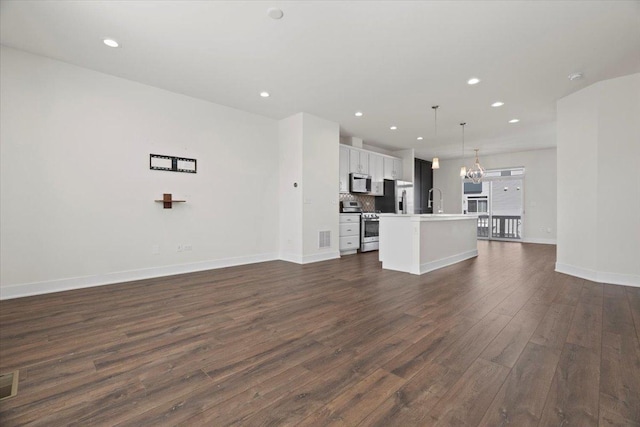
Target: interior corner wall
{"x": 77, "y": 196}
{"x": 320, "y": 184}
{"x": 408, "y": 163}
{"x": 290, "y": 171}
{"x": 540, "y": 202}
{"x": 309, "y": 158}
{"x": 598, "y": 182}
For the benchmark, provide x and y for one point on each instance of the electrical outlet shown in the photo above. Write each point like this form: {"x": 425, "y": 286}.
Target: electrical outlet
{"x": 187, "y": 248}
{"x": 180, "y": 248}
{"x": 548, "y": 229}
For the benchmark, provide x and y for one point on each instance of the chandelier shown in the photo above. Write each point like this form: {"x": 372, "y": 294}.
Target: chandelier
{"x": 476, "y": 172}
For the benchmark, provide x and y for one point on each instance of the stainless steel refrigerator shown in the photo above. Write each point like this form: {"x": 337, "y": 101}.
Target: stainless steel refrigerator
{"x": 398, "y": 197}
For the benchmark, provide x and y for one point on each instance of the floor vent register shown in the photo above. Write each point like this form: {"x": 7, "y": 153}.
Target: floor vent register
{"x": 8, "y": 385}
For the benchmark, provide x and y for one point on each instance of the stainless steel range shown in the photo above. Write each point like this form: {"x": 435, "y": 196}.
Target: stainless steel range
{"x": 369, "y": 232}
{"x": 369, "y": 224}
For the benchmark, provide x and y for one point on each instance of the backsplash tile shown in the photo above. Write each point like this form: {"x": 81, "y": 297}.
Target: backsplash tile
{"x": 368, "y": 202}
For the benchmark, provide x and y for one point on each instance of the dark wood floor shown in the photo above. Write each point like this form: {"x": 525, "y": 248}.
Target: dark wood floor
{"x": 497, "y": 340}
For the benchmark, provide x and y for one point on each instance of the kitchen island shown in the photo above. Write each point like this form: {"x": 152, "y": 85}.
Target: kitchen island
{"x": 418, "y": 244}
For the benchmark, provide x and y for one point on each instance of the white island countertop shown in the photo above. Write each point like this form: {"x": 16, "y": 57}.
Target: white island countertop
{"x": 418, "y": 244}
{"x": 429, "y": 217}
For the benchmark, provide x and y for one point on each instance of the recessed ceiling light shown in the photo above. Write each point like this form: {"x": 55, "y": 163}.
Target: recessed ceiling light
{"x": 393, "y": 127}
{"x": 473, "y": 81}
{"x": 575, "y": 76}
{"x": 497, "y": 104}
{"x": 110, "y": 42}
{"x": 419, "y": 138}
{"x": 264, "y": 94}
{"x": 275, "y": 13}
{"x": 514, "y": 120}
{"x": 358, "y": 113}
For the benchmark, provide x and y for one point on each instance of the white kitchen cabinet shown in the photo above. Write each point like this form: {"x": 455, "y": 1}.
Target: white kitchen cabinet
{"x": 392, "y": 168}
{"x": 349, "y": 233}
{"x": 378, "y": 166}
{"x": 377, "y": 188}
{"x": 358, "y": 161}
{"x": 376, "y": 170}
{"x": 344, "y": 169}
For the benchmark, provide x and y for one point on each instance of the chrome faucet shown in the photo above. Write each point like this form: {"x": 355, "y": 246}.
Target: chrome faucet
{"x": 430, "y": 199}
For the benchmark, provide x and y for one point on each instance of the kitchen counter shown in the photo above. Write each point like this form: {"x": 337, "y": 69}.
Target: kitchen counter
{"x": 418, "y": 244}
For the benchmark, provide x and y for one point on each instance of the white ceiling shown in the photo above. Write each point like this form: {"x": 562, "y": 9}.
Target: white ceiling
{"x": 392, "y": 60}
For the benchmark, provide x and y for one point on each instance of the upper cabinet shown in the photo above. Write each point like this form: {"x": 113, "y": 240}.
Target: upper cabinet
{"x": 376, "y": 170}
{"x": 378, "y": 166}
{"x": 358, "y": 161}
{"x": 392, "y": 168}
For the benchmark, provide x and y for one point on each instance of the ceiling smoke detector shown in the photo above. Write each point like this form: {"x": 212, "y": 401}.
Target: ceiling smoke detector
{"x": 275, "y": 13}
{"x": 575, "y": 76}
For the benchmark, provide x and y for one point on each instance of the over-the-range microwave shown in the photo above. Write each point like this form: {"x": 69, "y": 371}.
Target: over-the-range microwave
{"x": 359, "y": 183}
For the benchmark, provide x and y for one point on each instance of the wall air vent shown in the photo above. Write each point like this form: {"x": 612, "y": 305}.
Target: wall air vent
{"x": 324, "y": 239}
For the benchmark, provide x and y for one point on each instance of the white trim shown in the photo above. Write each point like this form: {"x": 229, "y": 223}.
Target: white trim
{"x": 348, "y": 252}
{"x": 434, "y": 265}
{"x": 59, "y": 285}
{"x": 295, "y": 258}
{"x": 539, "y": 240}
{"x": 308, "y": 259}
{"x": 323, "y": 256}
{"x": 599, "y": 276}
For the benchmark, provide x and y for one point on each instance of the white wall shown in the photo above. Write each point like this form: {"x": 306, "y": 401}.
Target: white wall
{"x": 290, "y": 154}
{"x": 76, "y": 190}
{"x": 599, "y": 183}
{"x": 539, "y": 188}
{"x": 408, "y": 164}
{"x": 309, "y": 153}
{"x": 577, "y": 148}
{"x": 321, "y": 158}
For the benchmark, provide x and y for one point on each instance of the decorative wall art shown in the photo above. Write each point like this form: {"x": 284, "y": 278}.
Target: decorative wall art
{"x": 172, "y": 163}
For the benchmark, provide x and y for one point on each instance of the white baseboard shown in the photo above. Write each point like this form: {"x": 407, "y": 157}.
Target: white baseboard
{"x": 349, "y": 252}
{"x": 308, "y": 259}
{"x": 599, "y": 276}
{"x": 324, "y": 256}
{"x": 68, "y": 284}
{"x": 539, "y": 241}
{"x": 47, "y": 287}
{"x": 434, "y": 265}
{"x": 295, "y": 258}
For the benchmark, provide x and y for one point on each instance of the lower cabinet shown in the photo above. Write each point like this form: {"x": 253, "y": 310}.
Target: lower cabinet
{"x": 349, "y": 233}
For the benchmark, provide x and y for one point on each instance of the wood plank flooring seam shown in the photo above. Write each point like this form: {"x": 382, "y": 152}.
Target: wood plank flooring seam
{"x": 447, "y": 347}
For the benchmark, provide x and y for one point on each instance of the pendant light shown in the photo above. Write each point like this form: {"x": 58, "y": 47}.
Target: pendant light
{"x": 463, "y": 169}
{"x": 476, "y": 172}
{"x": 435, "y": 163}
